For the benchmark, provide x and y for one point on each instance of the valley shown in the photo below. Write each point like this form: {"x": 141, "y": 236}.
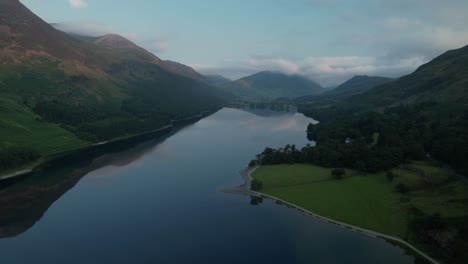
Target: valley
{"x": 353, "y": 146}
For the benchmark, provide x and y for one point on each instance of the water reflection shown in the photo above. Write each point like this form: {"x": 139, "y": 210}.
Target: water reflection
{"x": 24, "y": 201}
{"x": 143, "y": 203}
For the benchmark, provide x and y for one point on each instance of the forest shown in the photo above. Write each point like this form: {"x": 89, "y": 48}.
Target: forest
{"x": 374, "y": 141}
{"x": 16, "y": 156}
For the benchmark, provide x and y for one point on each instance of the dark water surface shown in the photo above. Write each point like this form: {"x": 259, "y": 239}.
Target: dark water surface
{"x": 161, "y": 202}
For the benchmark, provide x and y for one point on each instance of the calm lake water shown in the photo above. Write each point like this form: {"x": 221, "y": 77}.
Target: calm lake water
{"x": 161, "y": 201}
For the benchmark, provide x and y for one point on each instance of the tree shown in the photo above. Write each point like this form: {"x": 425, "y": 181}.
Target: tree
{"x": 256, "y": 185}
{"x": 253, "y": 163}
{"x": 256, "y": 200}
{"x": 401, "y": 188}
{"x": 390, "y": 176}
{"x": 338, "y": 173}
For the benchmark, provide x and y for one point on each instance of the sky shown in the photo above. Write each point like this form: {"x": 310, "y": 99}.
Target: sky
{"x": 328, "y": 41}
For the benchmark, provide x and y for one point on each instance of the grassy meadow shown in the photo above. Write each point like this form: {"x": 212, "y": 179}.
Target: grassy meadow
{"x": 21, "y": 127}
{"x": 370, "y": 200}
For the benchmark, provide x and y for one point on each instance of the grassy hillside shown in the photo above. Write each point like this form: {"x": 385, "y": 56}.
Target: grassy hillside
{"x": 444, "y": 79}
{"x": 65, "y": 90}
{"x": 19, "y": 126}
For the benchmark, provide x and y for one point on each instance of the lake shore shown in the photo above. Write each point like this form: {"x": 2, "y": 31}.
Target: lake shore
{"x": 26, "y": 169}
{"x": 246, "y": 175}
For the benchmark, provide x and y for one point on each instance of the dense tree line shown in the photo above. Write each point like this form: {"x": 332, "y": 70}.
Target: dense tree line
{"x": 378, "y": 140}
{"x": 357, "y": 155}
{"x": 400, "y": 134}
{"x": 16, "y": 156}
{"x": 368, "y": 142}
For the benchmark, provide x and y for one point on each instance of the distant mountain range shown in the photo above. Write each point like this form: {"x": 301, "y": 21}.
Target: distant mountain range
{"x": 268, "y": 86}
{"x": 442, "y": 80}
{"x": 271, "y": 85}
{"x": 354, "y": 86}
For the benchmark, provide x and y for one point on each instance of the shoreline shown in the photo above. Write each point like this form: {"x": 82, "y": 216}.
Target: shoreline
{"x": 246, "y": 174}
{"x": 15, "y": 174}
{"x": 34, "y": 165}
{"x": 9, "y": 175}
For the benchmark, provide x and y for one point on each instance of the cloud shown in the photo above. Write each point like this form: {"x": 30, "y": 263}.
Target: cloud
{"x": 405, "y": 37}
{"x": 325, "y": 70}
{"x": 85, "y": 28}
{"x": 324, "y": 3}
{"x": 378, "y": 37}
{"x": 155, "y": 44}
{"x": 334, "y": 40}
{"x": 335, "y": 70}
{"x": 78, "y": 3}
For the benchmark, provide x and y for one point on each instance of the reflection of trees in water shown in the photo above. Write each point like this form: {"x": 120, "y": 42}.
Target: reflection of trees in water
{"x": 266, "y": 109}
{"x": 24, "y": 202}
{"x": 254, "y": 200}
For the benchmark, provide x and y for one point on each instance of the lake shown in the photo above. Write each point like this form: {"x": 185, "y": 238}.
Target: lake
{"x": 161, "y": 201}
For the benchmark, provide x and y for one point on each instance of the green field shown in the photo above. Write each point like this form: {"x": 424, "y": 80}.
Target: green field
{"x": 21, "y": 127}
{"x": 368, "y": 200}
{"x": 365, "y": 200}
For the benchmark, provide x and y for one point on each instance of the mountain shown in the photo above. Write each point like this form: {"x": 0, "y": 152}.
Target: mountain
{"x": 359, "y": 84}
{"x": 421, "y": 118}
{"x": 183, "y": 70}
{"x": 354, "y": 86}
{"x": 73, "y": 91}
{"x": 423, "y": 113}
{"x": 117, "y": 42}
{"x": 443, "y": 80}
{"x": 271, "y": 85}
{"x": 217, "y": 79}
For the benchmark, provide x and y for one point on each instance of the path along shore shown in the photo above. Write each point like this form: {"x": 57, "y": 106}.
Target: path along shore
{"x": 246, "y": 175}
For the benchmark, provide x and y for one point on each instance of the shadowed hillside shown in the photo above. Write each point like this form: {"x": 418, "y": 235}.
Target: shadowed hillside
{"x": 96, "y": 88}
{"x": 271, "y": 85}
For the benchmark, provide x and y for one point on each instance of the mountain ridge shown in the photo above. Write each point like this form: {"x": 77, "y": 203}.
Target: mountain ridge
{"x": 268, "y": 85}
{"x": 443, "y": 79}
{"x": 358, "y": 84}
{"x": 216, "y": 79}
{"x": 89, "y": 89}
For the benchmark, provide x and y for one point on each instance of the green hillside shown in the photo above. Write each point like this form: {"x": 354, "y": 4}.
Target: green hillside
{"x": 60, "y": 91}
{"x": 359, "y": 84}
{"x": 443, "y": 80}
{"x": 19, "y": 127}
{"x": 424, "y": 113}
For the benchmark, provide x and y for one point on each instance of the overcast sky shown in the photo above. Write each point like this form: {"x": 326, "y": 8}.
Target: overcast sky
{"x": 326, "y": 40}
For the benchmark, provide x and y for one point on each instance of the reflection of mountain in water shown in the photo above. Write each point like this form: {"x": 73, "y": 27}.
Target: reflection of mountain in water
{"x": 266, "y": 112}
{"x": 24, "y": 202}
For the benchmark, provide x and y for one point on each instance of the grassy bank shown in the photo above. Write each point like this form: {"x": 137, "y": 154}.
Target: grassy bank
{"x": 21, "y": 127}
{"x": 24, "y": 128}
{"x": 371, "y": 201}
